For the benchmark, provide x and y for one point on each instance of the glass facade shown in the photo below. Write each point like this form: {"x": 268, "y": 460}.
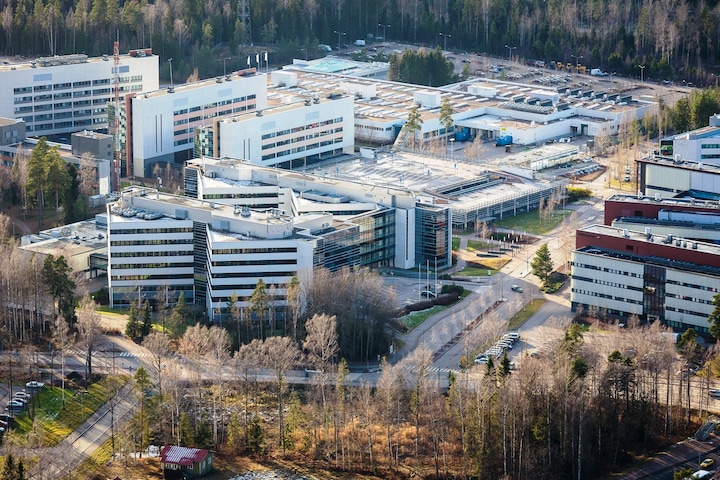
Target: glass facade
{"x": 432, "y": 234}
{"x": 377, "y": 237}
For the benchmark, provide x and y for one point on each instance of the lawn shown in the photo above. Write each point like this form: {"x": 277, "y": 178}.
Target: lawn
{"x": 530, "y": 222}
{"x": 455, "y": 244}
{"x": 413, "y": 319}
{"x": 519, "y": 319}
{"x": 482, "y": 266}
{"x": 55, "y": 423}
{"x": 478, "y": 245}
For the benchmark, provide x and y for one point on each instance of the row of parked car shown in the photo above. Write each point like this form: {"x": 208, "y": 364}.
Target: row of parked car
{"x": 497, "y": 351}
{"x": 19, "y": 401}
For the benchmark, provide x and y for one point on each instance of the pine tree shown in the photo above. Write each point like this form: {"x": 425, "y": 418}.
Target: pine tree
{"x": 542, "y": 264}
{"x": 146, "y": 326}
{"x": 132, "y": 328}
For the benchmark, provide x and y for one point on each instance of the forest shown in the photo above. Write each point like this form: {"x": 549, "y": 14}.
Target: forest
{"x": 672, "y": 39}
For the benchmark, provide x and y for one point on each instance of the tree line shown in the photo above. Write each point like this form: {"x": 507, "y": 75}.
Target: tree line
{"x": 581, "y": 410}
{"x": 667, "y": 38}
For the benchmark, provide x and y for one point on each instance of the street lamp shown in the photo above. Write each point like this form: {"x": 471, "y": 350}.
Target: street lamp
{"x": 384, "y": 27}
{"x": 642, "y": 71}
{"x": 445, "y": 36}
{"x": 510, "y": 49}
{"x": 339, "y": 34}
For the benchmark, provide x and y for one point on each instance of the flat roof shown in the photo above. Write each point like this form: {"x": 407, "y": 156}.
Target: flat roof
{"x": 663, "y": 201}
{"x": 685, "y": 244}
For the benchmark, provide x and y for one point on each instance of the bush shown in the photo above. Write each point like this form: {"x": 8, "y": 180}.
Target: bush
{"x": 577, "y": 193}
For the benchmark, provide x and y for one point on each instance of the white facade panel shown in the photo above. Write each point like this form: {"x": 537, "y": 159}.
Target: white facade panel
{"x": 71, "y": 97}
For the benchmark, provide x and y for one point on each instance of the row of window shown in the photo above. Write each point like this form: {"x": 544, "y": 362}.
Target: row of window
{"x": 211, "y": 106}
{"x": 267, "y": 146}
{"x": 607, "y": 270}
{"x": 147, "y": 231}
{"x": 130, "y": 243}
{"x": 252, "y": 274}
{"x": 694, "y": 286}
{"x": 244, "y": 263}
{"x": 313, "y": 146}
{"x": 687, "y": 312}
{"x": 250, "y": 251}
{"x": 591, "y": 293}
{"x": 162, "y": 253}
{"x": 171, "y": 276}
{"x": 136, "y": 266}
{"x": 301, "y": 128}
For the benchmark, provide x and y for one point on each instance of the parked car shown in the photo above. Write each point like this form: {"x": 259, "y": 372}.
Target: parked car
{"x": 707, "y": 463}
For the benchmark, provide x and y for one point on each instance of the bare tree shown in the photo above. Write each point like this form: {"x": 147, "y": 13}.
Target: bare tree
{"x": 280, "y": 354}
{"x": 159, "y": 347}
{"x": 89, "y": 329}
{"x": 62, "y": 340}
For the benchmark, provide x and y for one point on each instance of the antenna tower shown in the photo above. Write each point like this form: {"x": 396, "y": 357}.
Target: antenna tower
{"x": 245, "y": 19}
{"x": 116, "y": 115}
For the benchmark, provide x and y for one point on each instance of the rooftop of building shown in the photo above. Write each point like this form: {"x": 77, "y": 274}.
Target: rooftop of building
{"x": 71, "y": 239}
{"x": 190, "y": 87}
{"x": 669, "y": 240}
{"x": 4, "y": 121}
{"x": 393, "y": 100}
{"x": 660, "y": 261}
{"x": 681, "y": 164}
{"x": 20, "y": 63}
{"x": 664, "y": 201}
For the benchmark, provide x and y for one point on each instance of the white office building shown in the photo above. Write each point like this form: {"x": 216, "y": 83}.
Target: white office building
{"x": 159, "y": 126}
{"x": 294, "y": 133}
{"x": 69, "y": 93}
{"x": 620, "y": 272}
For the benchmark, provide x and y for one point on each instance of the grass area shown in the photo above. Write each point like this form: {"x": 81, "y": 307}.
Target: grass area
{"x": 48, "y": 423}
{"x": 478, "y": 245}
{"x": 519, "y": 319}
{"x": 455, "y": 244}
{"x": 413, "y": 319}
{"x": 481, "y": 267}
{"x": 530, "y": 222}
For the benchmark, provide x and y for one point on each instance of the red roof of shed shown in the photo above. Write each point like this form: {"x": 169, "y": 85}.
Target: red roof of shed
{"x": 182, "y": 455}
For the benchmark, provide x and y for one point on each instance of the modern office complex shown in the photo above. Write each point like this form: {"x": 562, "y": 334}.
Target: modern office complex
{"x": 240, "y": 223}
{"x": 295, "y": 133}
{"x": 620, "y": 272}
{"x": 700, "y": 146}
{"x": 688, "y": 218}
{"x": 483, "y": 108}
{"x": 69, "y": 93}
{"x": 158, "y": 126}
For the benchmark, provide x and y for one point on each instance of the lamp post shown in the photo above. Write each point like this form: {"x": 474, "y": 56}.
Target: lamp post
{"x": 171, "y": 79}
{"x": 339, "y": 34}
{"x": 642, "y": 72}
{"x": 445, "y": 36}
{"x": 384, "y": 27}
{"x": 510, "y": 49}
